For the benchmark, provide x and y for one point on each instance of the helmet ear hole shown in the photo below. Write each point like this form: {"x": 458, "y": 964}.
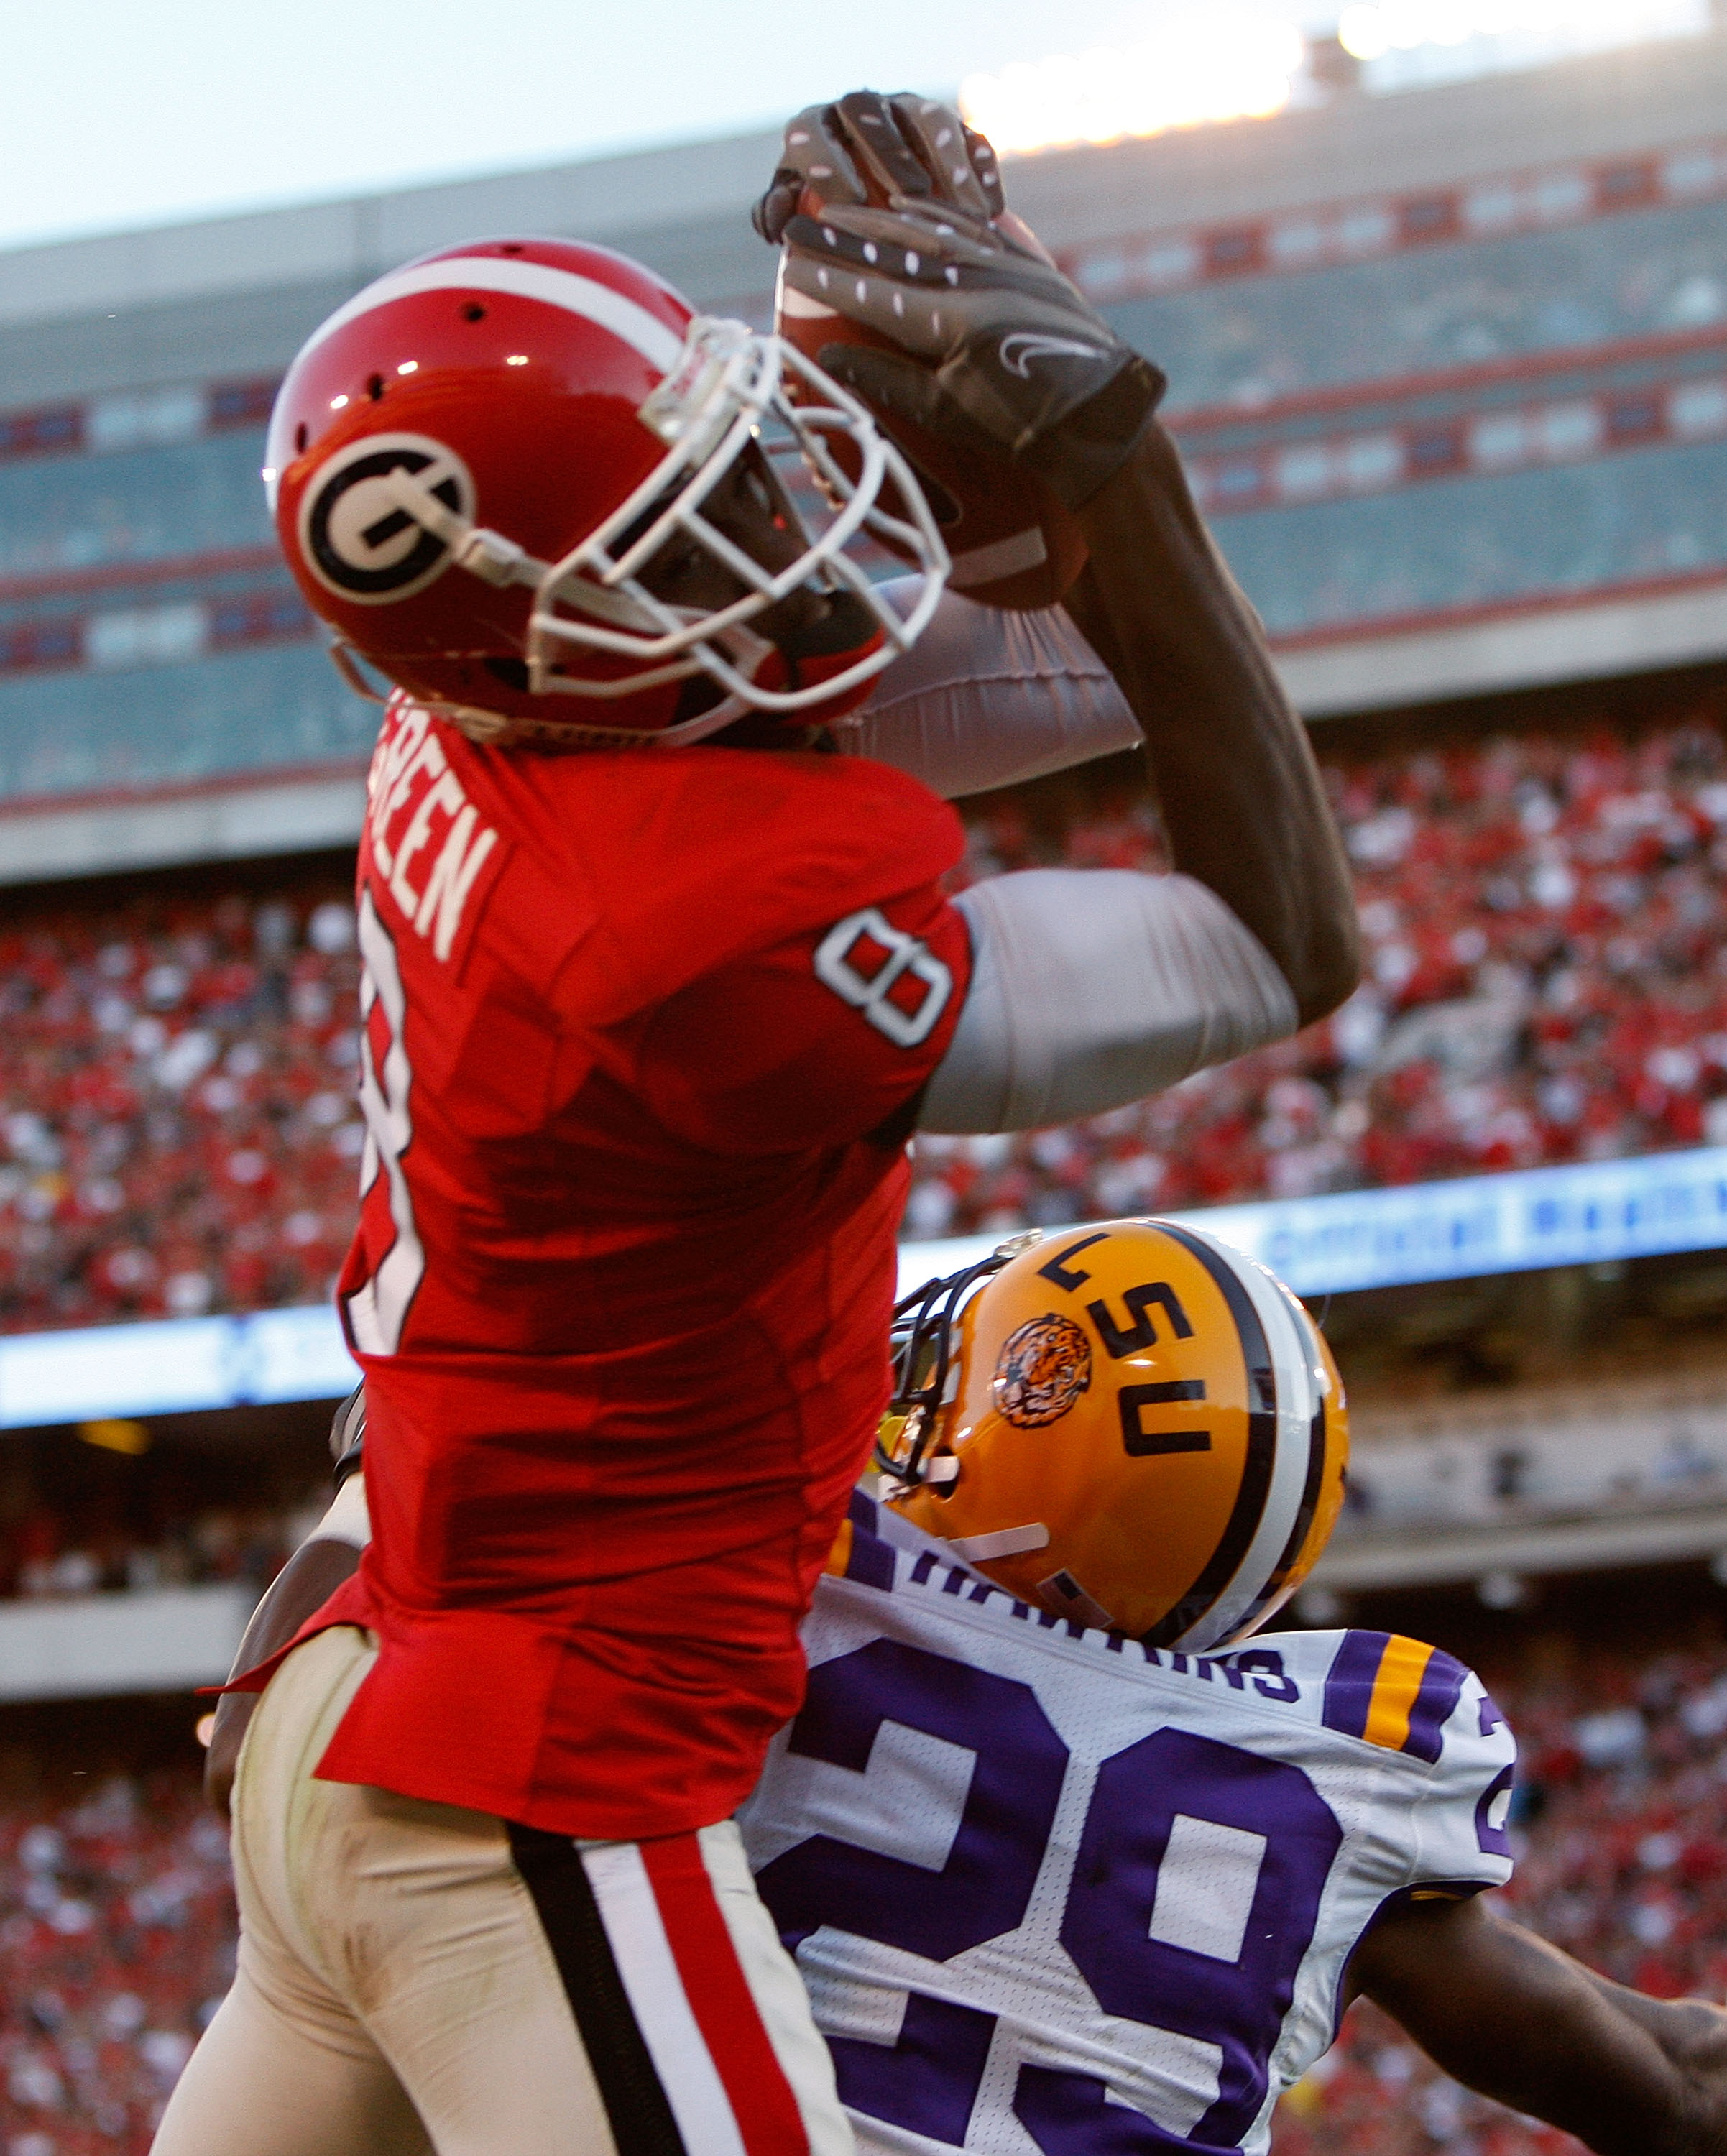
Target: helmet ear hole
{"x": 301, "y": 438}
{"x": 374, "y": 387}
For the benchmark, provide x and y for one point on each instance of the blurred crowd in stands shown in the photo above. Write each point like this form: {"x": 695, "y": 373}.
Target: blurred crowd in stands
{"x": 117, "y": 1937}
{"x": 178, "y": 1132}
{"x": 1469, "y": 543}
{"x": 251, "y": 709}
{"x": 45, "y": 1558}
{"x": 146, "y": 504}
{"x": 1545, "y": 930}
{"x": 1543, "y": 925}
{"x": 116, "y": 1923}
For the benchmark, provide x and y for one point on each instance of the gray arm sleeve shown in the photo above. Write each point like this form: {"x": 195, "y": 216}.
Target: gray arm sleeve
{"x": 988, "y": 698}
{"x": 348, "y": 1520}
{"x": 1092, "y": 988}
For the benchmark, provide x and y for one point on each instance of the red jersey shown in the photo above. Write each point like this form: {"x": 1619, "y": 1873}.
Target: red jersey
{"x": 643, "y": 1037}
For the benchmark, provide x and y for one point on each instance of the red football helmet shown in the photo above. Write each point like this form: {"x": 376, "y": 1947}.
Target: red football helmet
{"x": 475, "y": 464}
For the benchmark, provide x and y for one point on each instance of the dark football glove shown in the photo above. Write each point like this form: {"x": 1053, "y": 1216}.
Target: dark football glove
{"x": 886, "y": 150}
{"x": 1000, "y": 350}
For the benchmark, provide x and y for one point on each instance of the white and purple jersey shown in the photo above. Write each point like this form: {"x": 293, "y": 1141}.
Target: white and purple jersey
{"x": 1053, "y": 1891}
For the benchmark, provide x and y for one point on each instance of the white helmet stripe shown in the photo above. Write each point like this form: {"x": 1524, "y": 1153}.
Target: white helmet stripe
{"x": 1321, "y": 1443}
{"x": 659, "y": 345}
{"x": 1296, "y": 1398}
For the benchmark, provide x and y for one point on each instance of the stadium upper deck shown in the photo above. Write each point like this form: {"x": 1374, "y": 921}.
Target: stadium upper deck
{"x": 1450, "y": 369}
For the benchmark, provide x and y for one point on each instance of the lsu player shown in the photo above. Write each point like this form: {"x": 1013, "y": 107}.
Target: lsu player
{"x": 1072, "y": 1857}
{"x": 656, "y": 987}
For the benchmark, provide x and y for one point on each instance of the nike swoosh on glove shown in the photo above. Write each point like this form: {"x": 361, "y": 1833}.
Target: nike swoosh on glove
{"x": 1001, "y": 350}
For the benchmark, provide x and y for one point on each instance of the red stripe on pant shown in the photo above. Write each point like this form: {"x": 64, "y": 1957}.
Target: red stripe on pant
{"x": 721, "y": 1999}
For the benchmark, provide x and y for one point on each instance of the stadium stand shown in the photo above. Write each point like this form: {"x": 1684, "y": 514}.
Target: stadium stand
{"x": 1300, "y": 325}
{"x": 123, "y": 1507}
{"x": 116, "y": 1918}
{"x": 118, "y": 1928}
{"x": 180, "y": 1128}
{"x": 149, "y": 634}
{"x": 1470, "y": 545}
{"x": 1412, "y": 405}
{"x": 48, "y": 1555}
{"x": 1543, "y": 913}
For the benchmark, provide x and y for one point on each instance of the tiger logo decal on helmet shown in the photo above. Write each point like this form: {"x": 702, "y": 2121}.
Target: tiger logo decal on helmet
{"x": 1132, "y": 1424}
{"x": 1041, "y": 1371}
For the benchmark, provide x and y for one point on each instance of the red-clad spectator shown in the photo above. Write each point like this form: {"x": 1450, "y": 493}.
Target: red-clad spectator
{"x": 1545, "y": 921}
{"x": 178, "y": 1133}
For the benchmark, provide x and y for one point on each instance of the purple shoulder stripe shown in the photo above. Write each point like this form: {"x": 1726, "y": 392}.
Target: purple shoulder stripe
{"x": 1434, "y": 1704}
{"x": 1348, "y": 1689}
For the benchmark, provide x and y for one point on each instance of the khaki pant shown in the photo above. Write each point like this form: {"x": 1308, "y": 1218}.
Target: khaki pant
{"x": 413, "y": 1978}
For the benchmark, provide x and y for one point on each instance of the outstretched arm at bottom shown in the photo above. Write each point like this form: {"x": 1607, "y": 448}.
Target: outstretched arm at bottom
{"x": 1515, "y": 2018}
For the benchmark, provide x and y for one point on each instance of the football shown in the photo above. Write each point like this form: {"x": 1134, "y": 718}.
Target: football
{"x": 1012, "y": 543}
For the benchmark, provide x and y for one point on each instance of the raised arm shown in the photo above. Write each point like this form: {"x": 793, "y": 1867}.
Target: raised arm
{"x": 1509, "y": 2015}
{"x": 1088, "y": 990}
{"x": 1243, "y": 805}
{"x": 1168, "y": 651}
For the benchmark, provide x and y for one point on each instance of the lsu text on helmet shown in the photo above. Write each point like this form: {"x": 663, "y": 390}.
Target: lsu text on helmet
{"x": 1131, "y": 1424}
{"x": 482, "y": 464}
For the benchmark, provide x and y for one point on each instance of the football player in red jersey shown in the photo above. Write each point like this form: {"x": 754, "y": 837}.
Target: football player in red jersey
{"x": 646, "y": 1026}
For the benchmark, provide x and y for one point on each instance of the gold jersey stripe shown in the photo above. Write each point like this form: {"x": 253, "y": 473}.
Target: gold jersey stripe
{"x": 840, "y": 1556}
{"x": 1401, "y": 1668}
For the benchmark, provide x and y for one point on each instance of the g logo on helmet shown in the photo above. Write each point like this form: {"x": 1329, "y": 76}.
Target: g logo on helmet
{"x": 1042, "y": 1369}
{"x": 357, "y": 539}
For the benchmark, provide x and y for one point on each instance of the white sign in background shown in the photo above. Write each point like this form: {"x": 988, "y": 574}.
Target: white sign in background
{"x": 1594, "y": 1213}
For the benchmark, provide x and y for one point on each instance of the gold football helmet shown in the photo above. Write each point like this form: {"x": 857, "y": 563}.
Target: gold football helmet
{"x": 1129, "y": 1424}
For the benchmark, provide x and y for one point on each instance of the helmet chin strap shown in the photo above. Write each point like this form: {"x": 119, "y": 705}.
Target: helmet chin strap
{"x": 753, "y": 654}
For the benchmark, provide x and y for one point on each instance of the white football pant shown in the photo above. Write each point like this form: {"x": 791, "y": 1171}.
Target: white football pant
{"x": 413, "y": 1978}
